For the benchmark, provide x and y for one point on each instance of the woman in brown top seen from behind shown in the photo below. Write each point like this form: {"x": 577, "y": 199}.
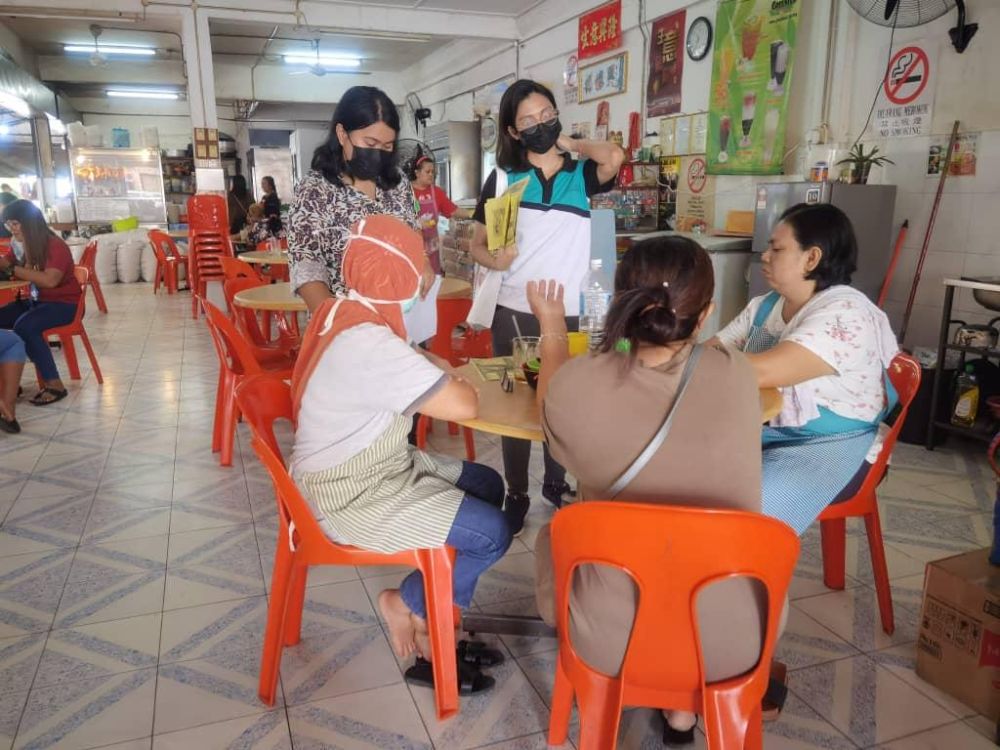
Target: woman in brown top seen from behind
{"x": 600, "y": 411}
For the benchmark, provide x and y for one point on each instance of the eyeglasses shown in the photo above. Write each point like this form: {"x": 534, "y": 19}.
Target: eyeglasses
{"x": 388, "y": 146}
{"x": 529, "y": 123}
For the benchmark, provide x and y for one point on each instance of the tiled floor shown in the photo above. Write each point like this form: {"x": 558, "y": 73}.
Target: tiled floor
{"x": 133, "y": 575}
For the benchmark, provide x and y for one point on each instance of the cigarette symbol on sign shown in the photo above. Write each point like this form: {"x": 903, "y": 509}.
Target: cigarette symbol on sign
{"x": 902, "y": 71}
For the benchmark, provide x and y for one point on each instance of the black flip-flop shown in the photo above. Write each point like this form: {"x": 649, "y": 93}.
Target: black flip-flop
{"x": 478, "y": 654}
{"x": 676, "y": 737}
{"x": 57, "y": 395}
{"x": 9, "y": 425}
{"x": 470, "y": 679}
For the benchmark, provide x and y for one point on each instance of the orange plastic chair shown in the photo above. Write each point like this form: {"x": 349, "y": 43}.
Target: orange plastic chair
{"x": 238, "y": 359}
{"x": 66, "y": 333}
{"x": 168, "y": 261}
{"x": 208, "y": 222}
{"x": 450, "y": 313}
{"x": 263, "y": 399}
{"x": 671, "y": 553}
{"x": 277, "y": 272}
{"x": 250, "y": 326}
{"x": 87, "y": 260}
{"x": 904, "y": 372}
{"x": 234, "y": 268}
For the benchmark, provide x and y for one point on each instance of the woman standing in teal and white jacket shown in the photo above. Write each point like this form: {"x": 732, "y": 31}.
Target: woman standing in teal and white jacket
{"x": 553, "y": 239}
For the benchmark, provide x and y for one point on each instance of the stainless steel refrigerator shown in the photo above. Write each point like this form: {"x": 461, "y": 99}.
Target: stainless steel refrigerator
{"x": 869, "y": 207}
{"x": 458, "y": 157}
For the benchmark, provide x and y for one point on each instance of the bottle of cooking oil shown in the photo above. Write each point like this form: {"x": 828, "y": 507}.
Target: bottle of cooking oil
{"x": 966, "y": 404}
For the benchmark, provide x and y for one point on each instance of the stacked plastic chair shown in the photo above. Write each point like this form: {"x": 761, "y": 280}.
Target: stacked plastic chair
{"x": 208, "y": 222}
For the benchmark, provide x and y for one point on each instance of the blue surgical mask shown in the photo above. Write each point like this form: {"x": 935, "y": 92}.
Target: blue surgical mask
{"x": 18, "y": 249}
{"x": 407, "y": 304}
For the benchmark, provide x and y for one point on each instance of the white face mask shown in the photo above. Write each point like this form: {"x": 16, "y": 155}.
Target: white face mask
{"x": 18, "y": 249}
{"x": 407, "y": 304}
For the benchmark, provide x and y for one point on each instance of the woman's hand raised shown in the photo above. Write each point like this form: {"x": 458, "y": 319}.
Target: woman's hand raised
{"x": 546, "y": 301}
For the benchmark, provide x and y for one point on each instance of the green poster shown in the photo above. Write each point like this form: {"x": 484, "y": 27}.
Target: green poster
{"x": 751, "y": 78}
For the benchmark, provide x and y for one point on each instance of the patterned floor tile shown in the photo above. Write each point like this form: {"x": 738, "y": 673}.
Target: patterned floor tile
{"x": 210, "y": 630}
{"x": 89, "y": 713}
{"x": 37, "y": 524}
{"x": 112, "y": 596}
{"x": 865, "y": 701}
{"x": 801, "y": 728}
{"x": 383, "y": 718}
{"x": 117, "y": 519}
{"x": 902, "y": 662}
{"x": 806, "y": 642}
{"x": 520, "y": 645}
{"x": 808, "y": 578}
{"x": 212, "y": 565}
{"x": 201, "y": 504}
{"x": 18, "y": 662}
{"x": 956, "y": 735}
{"x": 268, "y": 731}
{"x": 11, "y": 708}
{"x": 99, "y": 650}
{"x": 147, "y": 554}
{"x": 853, "y": 615}
{"x": 530, "y": 742}
{"x": 205, "y": 691}
{"x": 513, "y": 577}
{"x": 30, "y": 589}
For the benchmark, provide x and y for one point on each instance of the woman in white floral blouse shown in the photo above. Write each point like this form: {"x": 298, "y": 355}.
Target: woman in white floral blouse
{"x": 827, "y": 347}
{"x": 354, "y": 175}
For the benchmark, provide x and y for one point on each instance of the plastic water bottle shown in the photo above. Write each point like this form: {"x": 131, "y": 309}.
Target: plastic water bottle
{"x": 595, "y": 297}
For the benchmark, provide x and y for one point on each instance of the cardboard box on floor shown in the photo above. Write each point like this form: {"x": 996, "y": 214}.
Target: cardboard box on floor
{"x": 958, "y": 649}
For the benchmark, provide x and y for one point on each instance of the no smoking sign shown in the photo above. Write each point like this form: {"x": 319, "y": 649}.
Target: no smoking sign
{"x": 696, "y": 175}
{"x": 909, "y": 72}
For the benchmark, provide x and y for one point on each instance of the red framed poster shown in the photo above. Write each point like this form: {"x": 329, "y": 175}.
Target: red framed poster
{"x": 600, "y": 30}
{"x": 666, "y": 65}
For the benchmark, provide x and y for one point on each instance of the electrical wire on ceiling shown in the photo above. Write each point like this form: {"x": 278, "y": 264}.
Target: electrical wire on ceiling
{"x": 881, "y": 80}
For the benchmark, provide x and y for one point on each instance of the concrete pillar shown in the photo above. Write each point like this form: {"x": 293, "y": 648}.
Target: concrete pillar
{"x": 197, "y": 43}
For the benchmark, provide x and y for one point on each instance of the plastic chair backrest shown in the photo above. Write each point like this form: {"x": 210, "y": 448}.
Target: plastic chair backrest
{"x": 263, "y": 399}
{"x": 246, "y": 319}
{"x": 89, "y": 257}
{"x": 233, "y": 349}
{"x": 904, "y": 373}
{"x": 234, "y": 268}
{"x": 163, "y": 245}
{"x": 82, "y": 274}
{"x": 671, "y": 553}
{"x": 208, "y": 212}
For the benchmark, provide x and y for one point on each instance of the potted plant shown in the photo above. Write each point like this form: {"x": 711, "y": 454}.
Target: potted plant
{"x": 862, "y": 162}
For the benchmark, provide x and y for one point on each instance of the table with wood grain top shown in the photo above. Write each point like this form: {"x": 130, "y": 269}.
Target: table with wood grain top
{"x": 515, "y": 414}
{"x": 273, "y": 297}
{"x": 265, "y": 258}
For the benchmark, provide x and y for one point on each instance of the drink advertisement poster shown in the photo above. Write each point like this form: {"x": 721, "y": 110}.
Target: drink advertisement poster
{"x": 666, "y": 65}
{"x": 751, "y": 80}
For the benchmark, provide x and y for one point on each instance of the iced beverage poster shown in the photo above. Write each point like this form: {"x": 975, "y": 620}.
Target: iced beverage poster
{"x": 751, "y": 80}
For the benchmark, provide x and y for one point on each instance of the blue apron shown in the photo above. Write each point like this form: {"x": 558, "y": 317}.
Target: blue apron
{"x": 805, "y": 468}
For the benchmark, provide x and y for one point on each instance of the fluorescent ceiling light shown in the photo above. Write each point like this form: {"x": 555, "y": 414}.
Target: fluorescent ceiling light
{"x": 326, "y": 62}
{"x": 110, "y": 49}
{"x": 56, "y": 126}
{"x": 125, "y": 94}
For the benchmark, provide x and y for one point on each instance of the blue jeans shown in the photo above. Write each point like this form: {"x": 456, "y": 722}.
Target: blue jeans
{"x": 11, "y": 347}
{"x": 479, "y": 534}
{"x": 28, "y": 321}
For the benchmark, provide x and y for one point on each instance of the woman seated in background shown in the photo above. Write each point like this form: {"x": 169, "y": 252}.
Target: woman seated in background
{"x": 12, "y": 356}
{"x": 271, "y": 204}
{"x": 51, "y": 299}
{"x": 356, "y": 387}
{"x": 710, "y": 458}
{"x": 434, "y": 203}
{"x": 827, "y": 347}
{"x": 259, "y": 228}
{"x": 238, "y": 201}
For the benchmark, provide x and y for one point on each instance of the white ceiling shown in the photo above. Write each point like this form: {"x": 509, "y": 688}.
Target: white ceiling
{"x": 509, "y": 8}
{"x": 46, "y": 36}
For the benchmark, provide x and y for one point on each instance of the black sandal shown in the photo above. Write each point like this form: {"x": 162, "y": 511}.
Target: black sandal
{"x": 676, "y": 737}
{"x": 9, "y": 426}
{"x": 470, "y": 679}
{"x": 478, "y": 655}
{"x": 56, "y": 393}
{"x": 554, "y": 491}
{"x": 777, "y": 692}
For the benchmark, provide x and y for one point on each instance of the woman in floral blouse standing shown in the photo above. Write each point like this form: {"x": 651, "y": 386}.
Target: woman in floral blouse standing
{"x": 354, "y": 175}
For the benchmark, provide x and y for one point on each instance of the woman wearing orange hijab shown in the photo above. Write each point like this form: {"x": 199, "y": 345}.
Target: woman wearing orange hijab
{"x": 355, "y": 388}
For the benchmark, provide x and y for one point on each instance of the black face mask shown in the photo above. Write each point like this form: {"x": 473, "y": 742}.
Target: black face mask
{"x": 368, "y": 163}
{"x": 540, "y": 138}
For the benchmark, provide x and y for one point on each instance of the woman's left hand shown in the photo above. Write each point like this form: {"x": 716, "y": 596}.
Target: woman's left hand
{"x": 546, "y": 301}
{"x": 565, "y": 143}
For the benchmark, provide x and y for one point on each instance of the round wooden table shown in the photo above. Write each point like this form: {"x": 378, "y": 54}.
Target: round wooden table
{"x": 454, "y": 288}
{"x": 265, "y": 258}
{"x": 273, "y": 297}
{"x": 515, "y": 414}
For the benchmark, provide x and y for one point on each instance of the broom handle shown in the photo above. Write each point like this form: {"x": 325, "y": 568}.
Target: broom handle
{"x": 927, "y": 235}
{"x": 900, "y": 239}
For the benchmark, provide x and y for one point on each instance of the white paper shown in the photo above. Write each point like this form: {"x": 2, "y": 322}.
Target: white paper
{"x": 486, "y": 292}
{"x": 421, "y": 321}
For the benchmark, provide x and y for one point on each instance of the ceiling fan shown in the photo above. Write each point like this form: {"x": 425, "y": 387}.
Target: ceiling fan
{"x": 316, "y": 69}
{"x": 906, "y": 13}
{"x": 97, "y": 60}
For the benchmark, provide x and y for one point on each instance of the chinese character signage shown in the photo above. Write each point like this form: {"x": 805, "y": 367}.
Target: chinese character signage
{"x": 906, "y": 98}
{"x": 751, "y": 80}
{"x": 600, "y": 30}
{"x": 666, "y": 65}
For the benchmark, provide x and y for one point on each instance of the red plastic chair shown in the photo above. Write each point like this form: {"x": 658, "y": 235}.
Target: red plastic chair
{"x": 208, "y": 222}
{"x": 263, "y": 399}
{"x": 277, "y": 272}
{"x": 904, "y": 372}
{"x": 671, "y": 553}
{"x": 450, "y": 313}
{"x": 234, "y": 268}
{"x": 238, "y": 359}
{"x": 249, "y": 324}
{"x": 168, "y": 261}
{"x": 67, "y": 332}
{"x": 88, "y": 260}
